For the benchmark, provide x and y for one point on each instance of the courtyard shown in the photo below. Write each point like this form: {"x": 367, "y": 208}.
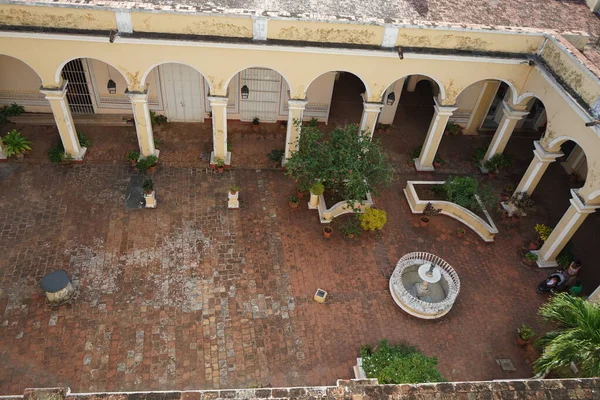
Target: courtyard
{"x": 192, "y": 295}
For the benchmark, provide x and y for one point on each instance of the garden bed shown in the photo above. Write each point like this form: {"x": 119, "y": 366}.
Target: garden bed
{"x": 482, "y": 225}
{"x": 327, "y": 214}
{"x": 425, "y": 192}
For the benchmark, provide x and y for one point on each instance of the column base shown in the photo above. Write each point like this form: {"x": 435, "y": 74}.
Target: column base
{"x": 150, "y": 200}
{"x": 423, "y": 168}
{"x": 483, "y": 169}
{"x": 543, "y": 263}
{"x": 213, "y": 160}
{"x": 79, "y": 157}
{"x": 156, "y": 154}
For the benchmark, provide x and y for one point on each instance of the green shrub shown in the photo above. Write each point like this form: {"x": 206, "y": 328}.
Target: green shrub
{"x": 83, "y": 140}
{"x": 497, "y": 163}
{"x": 479, "y": 155}
{"x": 461, "y": 190}
{"x": 399, "y": 364}
{"x": 146, "y": 163}
{"x": 56, "y": 154}
{"x": 157, "y": 119}
{"x": 416, "y": 152}
{"x": 148, "y": 186}
{"x": 317, "y": 189}
{"x": 351, "y": 226}
{"x": 453, "y": 129}
{"x": 275, "y": 156}
{"x": 15, "y": 143}
{"x": 525, "y": 332}
{"x": 10, "y": 111}
{"x": 373, "y": 219}
{"x": 133, "y": 156}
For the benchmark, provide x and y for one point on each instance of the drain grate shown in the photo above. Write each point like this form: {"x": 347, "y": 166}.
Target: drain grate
{"x": 506, "y": 364}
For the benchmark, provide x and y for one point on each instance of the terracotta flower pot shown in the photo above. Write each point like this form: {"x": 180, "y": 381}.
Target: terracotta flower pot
{"x": 220, "y": 169}
{"x": 152, "y": 169}
{"x": 350, "y": 235}
{"x": 293, "y": 205}
{"x": 327, "y": 231}
{"x": 300, "y": 193}
{"x": 255, "y": 128}
{"x": 233, "y": 192}
{"x": 533, "y": 246}
{"x": 424, "y": 221}
{"x": 460, "y": 232}
{"x": 133, "y": 162}
{"x": 521, "y": 341}
{"x": 436, "y": 164}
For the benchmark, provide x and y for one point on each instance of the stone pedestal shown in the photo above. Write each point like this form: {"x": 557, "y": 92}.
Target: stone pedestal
{"x": 150, "y": 199}
{"x": 313, "y": 203}
{"x": 58, "y": 286}
{"x": 232, "y": 200}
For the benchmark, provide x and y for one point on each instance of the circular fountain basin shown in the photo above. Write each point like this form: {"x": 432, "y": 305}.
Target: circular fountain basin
{"x": 439, "y": 296}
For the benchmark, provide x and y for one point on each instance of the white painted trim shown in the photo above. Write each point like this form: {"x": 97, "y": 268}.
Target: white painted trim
{"x": 390, "y": 36}
{"x": 260, "y": 27}
{"x": 498, "y": 136}
{"x": 124, "y": 23}
{"x": 562, "y": 235}
{"x": 91, "y": 84}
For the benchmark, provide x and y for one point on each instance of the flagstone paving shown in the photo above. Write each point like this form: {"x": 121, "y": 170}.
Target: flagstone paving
{"x": 191, "y": 295}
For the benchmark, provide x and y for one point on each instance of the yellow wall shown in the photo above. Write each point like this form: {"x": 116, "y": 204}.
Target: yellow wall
{"x": 57, "y": 17}
{"x": 469, "y": 40}
{"x": 324, "y": 32}
{"x": 19, "y": 83}
{"x": 192, "y": 24}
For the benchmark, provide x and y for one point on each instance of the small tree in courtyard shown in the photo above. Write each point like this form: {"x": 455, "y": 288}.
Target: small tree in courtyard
{"x": 345, "y": 161}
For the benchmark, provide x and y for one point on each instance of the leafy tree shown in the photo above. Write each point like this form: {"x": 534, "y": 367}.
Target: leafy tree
{"x": 399, "y": 364}
{"x": 346, "y": 161}
{"x": 576, "y": 338}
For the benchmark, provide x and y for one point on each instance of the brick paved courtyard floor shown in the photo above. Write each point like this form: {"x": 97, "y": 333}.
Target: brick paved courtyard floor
{"x": 191, "y": 295}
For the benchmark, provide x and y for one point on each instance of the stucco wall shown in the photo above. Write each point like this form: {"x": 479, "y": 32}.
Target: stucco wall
{"x": 325, "y": 32}
{"x": 57, "y": 17}
{"x": 192, "y": 24}
{"x": 20, "y": 84}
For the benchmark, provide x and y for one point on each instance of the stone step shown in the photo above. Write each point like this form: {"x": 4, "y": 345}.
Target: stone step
{"x": 96, "y": 119}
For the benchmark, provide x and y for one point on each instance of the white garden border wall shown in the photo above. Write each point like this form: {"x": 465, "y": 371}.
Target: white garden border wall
{"x": 326, "y": 215}
{"x": 485, "y": 229}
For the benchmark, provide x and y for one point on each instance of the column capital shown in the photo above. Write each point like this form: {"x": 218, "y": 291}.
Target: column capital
{"x": 513, "y": 112}
{"x": 441, "y": 109}
{"x": 372, "y": 107}
{"x": 137, "y": 97}
{"x": 297, "y": 104}
{"x": 544, "y": 155}
{"x": 579, "y": 205}
{"x": 218, "y": 101}
{"x": 57, "y": 93}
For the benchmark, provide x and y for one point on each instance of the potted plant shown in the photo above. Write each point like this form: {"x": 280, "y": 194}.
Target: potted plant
{"x": 452, "y": 129}
{"x": 255, "y": 123}
{"x": 293, "y": 201}
{"x": 414, "y": 154}
{"x": 234, "y": 189}
{"x": 15, "y": 144}
{"x": 429, "y": 211}
{"x": 327, "y": 231}
{"x": 530, "y": 259}
{"x": 220, "y": 164}
{"x": 524, "y": 334}
{"x": 543, "y": 232}
{"x": 133, "y": 157}
{"x": 438, "y": 162}
{"x": 148, "y": 186}
{"x": 148, "y": 164}
{"x": 317, "y": 189}
{"x": 275, "y": 157}
{"x": 496, "y": 164}
{"x": 460, "y": 232}
{"x": 351, "y": 228}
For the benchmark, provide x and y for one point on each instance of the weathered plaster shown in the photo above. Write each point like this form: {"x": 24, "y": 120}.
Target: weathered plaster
{"x": 56, "y": 17}
{"x": 325, "y": 33}
{"x": 192, "y": 24}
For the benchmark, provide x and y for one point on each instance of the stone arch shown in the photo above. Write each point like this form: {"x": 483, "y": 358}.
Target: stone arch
{"x": 23, "y": 62}
{"x": 440, "y": 86}
{"x": 364, "y": 82}
{"x": 287, "y": 81}
{"x": 58, "y": 77}
{"x": 144, "y": 77}
{"x": 513, "y": 90}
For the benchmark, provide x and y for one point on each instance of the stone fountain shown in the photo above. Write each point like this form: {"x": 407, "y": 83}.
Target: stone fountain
{"x": 424, "y": 285}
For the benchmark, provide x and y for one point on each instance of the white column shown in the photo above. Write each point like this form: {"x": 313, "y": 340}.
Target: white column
{"x": 574, "y": 161}
{"x": 64, "y": 120}
{"x": 507, "y": 124}
{"x": 434, "y": 136}
{"x": 595, "y": 296}
{"x": 542, "y": 158}
{"x": 143, "y": 123}
{"x": 2, "y": 152}
{"x": 412, "y": 83}
{"x": 218, "y": 106}
{"x": 294, "y": 126}
{"x": 369, "y": 118}
{"x": 564, "y": 230}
